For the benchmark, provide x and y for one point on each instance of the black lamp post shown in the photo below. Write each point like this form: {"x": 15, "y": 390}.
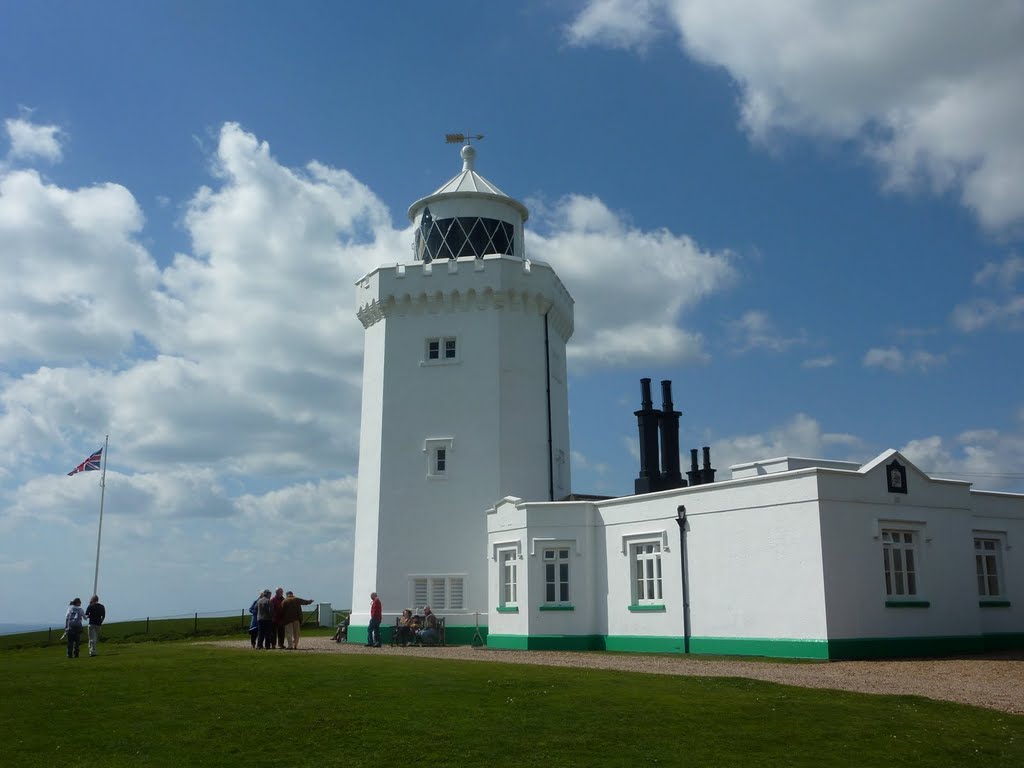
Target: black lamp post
{"x": 681, "y": 520}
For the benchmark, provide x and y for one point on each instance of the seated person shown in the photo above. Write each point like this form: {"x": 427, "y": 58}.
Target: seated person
{"x": 402, "y": 629}
{"x": 428, "y": 635}
{"x": 342, "y": 632}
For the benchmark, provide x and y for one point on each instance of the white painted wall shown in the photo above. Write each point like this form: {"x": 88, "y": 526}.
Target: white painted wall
{"x": 788, "y": 555}
{"x": 1002, "y": 513}
{"x": 490, "y": 404}
{"x": 754, "y": 559}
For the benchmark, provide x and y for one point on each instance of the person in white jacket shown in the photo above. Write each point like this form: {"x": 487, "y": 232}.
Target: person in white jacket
{"x": 73, "y": 626}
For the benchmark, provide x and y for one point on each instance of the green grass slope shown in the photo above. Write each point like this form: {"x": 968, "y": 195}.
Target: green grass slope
{"x": 181, "y": 704}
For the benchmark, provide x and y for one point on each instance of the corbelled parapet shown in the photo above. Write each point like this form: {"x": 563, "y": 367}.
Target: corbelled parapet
{"x": 503, "y": 283}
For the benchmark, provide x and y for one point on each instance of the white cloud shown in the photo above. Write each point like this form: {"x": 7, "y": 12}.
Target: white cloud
{"x": 1001, "y": 273}
{"x": 895, "y": 360}
{"x": 801, "y": 436}
{"x": 77, "y": 283}
{"x": 826, "y": 361}
{"x": 627, "y": 24}
{"x": 985, "y": 457}
{"x": 627, "y": 321}
{"x": 755, "y": 330}
{"x": 1000, "y": 305}
{"x": 580, "y": 462}
{"x": 30, "y": 141}
{"x": 889, "y": 358}
{"x": 929, "y": 88}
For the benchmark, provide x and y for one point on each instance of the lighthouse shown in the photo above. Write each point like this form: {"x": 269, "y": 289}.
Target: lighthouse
{"x": 464, "y": 402}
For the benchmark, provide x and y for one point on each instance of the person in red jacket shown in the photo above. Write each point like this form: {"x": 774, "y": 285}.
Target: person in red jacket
{"x": 275, "y": 611}
{"x": 376, "y": 614}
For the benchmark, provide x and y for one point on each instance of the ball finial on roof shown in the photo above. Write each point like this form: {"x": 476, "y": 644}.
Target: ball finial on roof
{"x": 468, "y": 155}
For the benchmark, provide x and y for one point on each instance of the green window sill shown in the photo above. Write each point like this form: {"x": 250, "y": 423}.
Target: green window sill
{"x": 647, "y": 609}
{"x": 507, "y": 609}
{"x": 994, "y": 603}
{"x": 907, "y": 603}
{"x": 558, "y": 608}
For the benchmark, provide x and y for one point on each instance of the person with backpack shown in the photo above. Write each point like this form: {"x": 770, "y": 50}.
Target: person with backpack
{"x": 73, "y": 626}
{"x": 96, "y": 613}
{"x": 254, "y": 625}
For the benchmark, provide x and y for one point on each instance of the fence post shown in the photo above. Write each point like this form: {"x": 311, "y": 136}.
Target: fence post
{"x": 147, "y": 625}
{"x": 195, "y": 625}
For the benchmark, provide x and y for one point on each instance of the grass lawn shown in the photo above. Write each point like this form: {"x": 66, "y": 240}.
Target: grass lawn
{"x": 179, "y": 704}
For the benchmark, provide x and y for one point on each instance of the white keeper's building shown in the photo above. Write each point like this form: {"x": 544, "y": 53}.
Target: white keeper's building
{"x": 464, "y": 496}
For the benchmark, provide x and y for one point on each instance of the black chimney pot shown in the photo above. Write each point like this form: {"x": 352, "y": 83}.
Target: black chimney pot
{"x": 647, "y": 419}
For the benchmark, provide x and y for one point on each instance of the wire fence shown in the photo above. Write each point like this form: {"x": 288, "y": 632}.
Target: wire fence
{"x": 211, "y": 624}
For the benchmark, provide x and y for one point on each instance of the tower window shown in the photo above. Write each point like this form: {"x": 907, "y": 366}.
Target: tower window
{"x": 439, "y": 452}
{"x": 441, "y": 349}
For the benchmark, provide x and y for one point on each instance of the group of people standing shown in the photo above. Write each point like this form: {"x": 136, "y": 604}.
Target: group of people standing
{"x": 95, "y": 614}
{"x": 276, "y": 619}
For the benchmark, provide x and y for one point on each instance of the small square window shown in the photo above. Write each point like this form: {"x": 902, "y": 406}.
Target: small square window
{"x": 440, "y": 350}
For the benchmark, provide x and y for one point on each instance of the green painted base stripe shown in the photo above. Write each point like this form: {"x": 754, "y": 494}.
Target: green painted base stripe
{"x": 463, "y": 635}
{"x": 791, "y": 648}
{"x": 899, "y": 647}
{"x": 1003, "y": 641}
{"x": 643, "y": 644}
{"x": 547, "y": 642}
{"x": 454, "y": 635}
{"x": 786, "y": 648}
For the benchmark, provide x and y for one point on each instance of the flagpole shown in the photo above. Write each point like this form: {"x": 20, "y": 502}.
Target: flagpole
{"x": 99, "y": 534}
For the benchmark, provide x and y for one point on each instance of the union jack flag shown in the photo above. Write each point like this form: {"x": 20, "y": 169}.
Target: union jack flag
{"x": 89, "y": 465}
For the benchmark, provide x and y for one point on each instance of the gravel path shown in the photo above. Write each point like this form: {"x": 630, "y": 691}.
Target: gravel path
{"x": 995, "y": 681}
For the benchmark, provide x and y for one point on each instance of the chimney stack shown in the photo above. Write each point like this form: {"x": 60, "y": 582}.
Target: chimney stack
{"x": 707, "y": 474}
{"x": 694, "y": 473}
{"x": 647, "y": 424}
{"x": 670, "y": 474}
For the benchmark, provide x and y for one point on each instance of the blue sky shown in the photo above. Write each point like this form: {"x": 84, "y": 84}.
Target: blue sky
{"x": 807, "y": 216}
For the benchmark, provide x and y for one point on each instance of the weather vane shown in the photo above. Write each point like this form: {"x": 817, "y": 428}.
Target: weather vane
{"x": 461, "y": 138}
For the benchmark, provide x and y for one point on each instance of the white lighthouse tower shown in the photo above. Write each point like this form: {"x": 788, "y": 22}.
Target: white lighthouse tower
{"x": 464, "y": 402}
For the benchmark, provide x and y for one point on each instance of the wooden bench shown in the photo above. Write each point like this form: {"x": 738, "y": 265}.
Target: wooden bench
{"x": 414, "y": 639}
